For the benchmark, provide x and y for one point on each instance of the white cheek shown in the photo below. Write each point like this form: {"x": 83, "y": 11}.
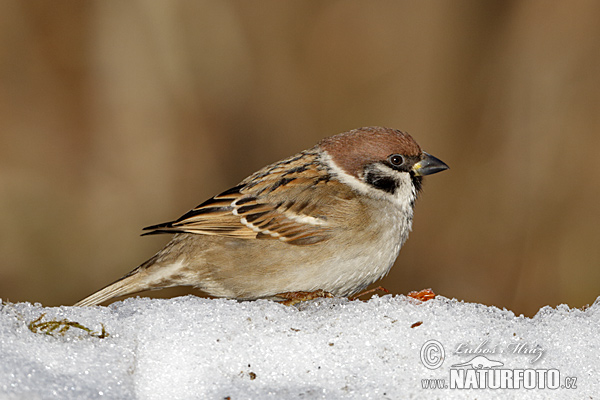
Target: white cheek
{"x": 346, "y": 178}
{"x": 404, "y": 196}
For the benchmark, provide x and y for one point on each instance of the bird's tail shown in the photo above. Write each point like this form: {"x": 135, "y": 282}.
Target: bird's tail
{"x": 137, "y": 280}
{"x": 122, "y": 287}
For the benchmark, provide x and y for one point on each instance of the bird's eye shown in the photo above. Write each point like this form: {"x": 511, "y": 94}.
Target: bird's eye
{"x": 396, "y": 159}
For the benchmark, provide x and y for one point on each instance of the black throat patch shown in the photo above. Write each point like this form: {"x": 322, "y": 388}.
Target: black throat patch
{"x": 417, "y": 181}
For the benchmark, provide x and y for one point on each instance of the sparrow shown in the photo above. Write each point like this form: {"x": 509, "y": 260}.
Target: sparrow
{"x": 330, "y": 219}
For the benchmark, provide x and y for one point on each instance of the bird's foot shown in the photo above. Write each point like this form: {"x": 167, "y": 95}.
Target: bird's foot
{"x": 378, "y": 288}
{"x": 298, "y": 297}
{"x": 423, "y": 295}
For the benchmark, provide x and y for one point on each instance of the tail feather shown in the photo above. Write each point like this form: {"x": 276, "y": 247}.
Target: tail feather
{"x": 133, "y": 282}
{"x": 127, "y": 285}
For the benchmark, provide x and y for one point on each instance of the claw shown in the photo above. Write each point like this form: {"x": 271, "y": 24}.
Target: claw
{"x": 423, "y": 295}
{"x": 298, "y": 297}
{"x": 378, "y": 288}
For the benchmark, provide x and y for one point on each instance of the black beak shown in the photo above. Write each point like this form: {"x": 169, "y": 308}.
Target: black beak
{"x": 429, "y": 165}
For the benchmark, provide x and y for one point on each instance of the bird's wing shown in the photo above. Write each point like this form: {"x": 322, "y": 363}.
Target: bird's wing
{"x": 292, "y": 200}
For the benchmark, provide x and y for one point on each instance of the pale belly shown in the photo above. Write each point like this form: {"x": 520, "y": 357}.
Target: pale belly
{"x": 341, "y": 267}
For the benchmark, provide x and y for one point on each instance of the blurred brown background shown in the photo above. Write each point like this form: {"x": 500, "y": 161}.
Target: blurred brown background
{"x": 118, "y": 115}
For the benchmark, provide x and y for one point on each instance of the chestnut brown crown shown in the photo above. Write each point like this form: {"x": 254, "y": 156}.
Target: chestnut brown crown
{"x": 354, "y": 149}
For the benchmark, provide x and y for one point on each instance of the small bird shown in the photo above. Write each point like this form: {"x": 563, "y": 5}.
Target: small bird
{"x": 330, "y": 219}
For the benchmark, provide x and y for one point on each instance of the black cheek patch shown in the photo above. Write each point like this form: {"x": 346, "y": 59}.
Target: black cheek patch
{"x": 381, "y": 182}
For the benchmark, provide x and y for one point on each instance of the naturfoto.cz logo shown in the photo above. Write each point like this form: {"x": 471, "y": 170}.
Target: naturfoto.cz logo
{"x": 484, "y": 372}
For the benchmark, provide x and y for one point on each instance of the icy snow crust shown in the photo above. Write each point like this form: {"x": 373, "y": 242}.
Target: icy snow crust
{"x": 193, "y": 348}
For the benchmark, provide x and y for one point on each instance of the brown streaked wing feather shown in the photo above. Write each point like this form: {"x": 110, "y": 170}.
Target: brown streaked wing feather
{"x": 290, "y": 200}
{"x": 213, "y": 217}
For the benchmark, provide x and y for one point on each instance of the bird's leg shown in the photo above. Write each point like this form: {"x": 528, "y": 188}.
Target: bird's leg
{"x": 369, "y": 292}
{"x": 298, "y": 297}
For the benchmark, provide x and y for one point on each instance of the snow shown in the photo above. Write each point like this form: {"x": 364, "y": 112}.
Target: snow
{"x": 194, "y": 348}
